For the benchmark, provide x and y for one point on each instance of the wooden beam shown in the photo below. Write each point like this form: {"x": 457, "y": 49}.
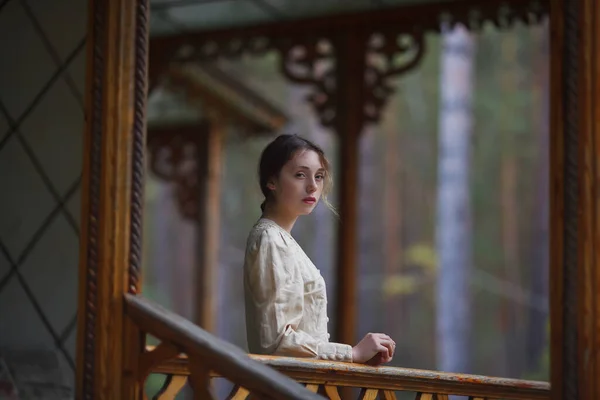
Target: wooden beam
{"x": 112, "y": 185}
{"x": 208, "y": 222}
{"x": 349, "y": 119}
{"x": 588, "y": 273}
{"x": 575, "y": 204}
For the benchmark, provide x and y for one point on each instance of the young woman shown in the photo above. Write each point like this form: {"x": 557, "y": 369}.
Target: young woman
{"x": 286, "y": 301}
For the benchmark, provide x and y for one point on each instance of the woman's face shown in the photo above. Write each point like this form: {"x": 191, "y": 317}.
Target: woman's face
{"x": 299, "y": 186}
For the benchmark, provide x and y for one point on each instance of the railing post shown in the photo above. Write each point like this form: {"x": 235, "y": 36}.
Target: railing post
{"x": 575, "y": 205}
{"x": 351, "y": 48}
{"x": 112, "y": 196}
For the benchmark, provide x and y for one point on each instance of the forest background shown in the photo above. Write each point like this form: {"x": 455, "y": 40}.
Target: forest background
{"x": 504, "y": 240}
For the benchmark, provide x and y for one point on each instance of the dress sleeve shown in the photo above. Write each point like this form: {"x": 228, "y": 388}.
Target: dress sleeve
{"x": 277, "y": 292}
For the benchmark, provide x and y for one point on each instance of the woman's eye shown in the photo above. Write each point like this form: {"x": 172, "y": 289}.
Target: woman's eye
{"x": 319, "y": 177}
{"x": 300, "y": 175}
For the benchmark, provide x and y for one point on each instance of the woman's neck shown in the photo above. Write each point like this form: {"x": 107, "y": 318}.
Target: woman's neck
{"x": 282, "y": 219}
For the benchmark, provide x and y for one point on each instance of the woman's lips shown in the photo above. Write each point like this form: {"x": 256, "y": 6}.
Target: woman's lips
{"x": 309, "y": 200}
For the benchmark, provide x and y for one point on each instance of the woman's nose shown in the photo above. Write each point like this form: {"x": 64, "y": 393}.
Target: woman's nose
{"x": 311, "y": 187}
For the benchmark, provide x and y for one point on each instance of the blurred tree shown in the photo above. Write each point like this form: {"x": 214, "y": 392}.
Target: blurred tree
{"x": 454, "y": 210}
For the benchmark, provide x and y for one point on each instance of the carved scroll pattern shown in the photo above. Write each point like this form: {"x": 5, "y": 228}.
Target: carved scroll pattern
{"x": 306, "y": 61}
{"x": 312, "y": 62}
{"x": 389, "y": 55}
{"x": 501, "y": 16}
{"x": 392, "y": 50}
{"x": 173, "y": 159}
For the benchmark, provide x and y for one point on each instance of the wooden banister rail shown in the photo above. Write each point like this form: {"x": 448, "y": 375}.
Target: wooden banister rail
{"x": 338, "y": 374}
{"x": 324, "y": 377}
{"x": 205, "y": 354}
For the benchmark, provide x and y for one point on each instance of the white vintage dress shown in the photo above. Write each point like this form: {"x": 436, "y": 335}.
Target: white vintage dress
{"x": 286, "y": 299}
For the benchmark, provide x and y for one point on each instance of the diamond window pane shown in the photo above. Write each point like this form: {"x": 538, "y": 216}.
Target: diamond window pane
{"x": 74, "y": 206}
{"x": 4, "y": 266}
{"x": 25, "y": 200}
{"x": 27, "y": 66}
{"x": 4, "y": 126}
{"x": 70, "y": 343}
{"x": 51, "y": 273}
{"x": 26, "y": 325}
{"x": 77, "y": 71}
{"x": 54, "y": 130}
{"x": 51, "y": 14}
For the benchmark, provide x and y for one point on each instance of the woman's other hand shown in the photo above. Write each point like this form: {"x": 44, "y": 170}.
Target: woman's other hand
{"x": 374, "y": 349}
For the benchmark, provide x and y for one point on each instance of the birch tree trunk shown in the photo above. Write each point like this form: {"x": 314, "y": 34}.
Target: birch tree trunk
{"x": 454, "y": 219}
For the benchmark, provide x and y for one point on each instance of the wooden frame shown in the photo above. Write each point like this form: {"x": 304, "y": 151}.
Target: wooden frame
{"x": 109, "y": 346}
{"x": 112, "y": 197}
{"x": 575, "y": 173}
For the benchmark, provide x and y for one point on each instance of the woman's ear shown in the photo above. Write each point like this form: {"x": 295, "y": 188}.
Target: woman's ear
{"x": 270, "y": 185}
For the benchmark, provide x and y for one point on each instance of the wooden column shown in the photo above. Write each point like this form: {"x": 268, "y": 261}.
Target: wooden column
{"x": 575, "y": 199}
{"x": 111, "y": 210}
{"x": 351, "y": 55}
{"x": 209, "y": 199}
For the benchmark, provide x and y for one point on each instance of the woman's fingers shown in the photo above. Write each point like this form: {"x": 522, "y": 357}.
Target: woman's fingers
{"x": 380, "y": 347}
{"x": 390, "y": 346}
{"x": 385, "y": 351}
{"x": 384, "y": 336}
{"x": 388, "y": 341}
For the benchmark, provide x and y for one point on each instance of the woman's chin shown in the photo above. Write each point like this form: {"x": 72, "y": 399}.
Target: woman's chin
{"x": 307, "y": 209}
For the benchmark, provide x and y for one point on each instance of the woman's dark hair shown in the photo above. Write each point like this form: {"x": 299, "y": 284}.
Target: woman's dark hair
{"x": 277, "y": 153}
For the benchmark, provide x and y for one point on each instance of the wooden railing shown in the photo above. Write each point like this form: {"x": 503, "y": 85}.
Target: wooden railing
{"x": 207, "y": 356}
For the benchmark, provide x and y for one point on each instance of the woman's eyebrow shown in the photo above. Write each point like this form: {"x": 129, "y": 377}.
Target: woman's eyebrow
{"x": 305, "y": 167}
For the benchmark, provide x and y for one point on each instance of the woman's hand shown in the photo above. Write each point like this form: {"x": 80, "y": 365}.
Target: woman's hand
{"x": 374, "y": 349}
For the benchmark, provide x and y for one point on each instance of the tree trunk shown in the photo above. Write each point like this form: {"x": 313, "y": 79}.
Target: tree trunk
{"x": 454, "y": 220}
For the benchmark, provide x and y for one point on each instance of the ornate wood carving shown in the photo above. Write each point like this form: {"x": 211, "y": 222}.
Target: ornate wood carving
{"x": 307, "y": 48}
{"x": 90, "y": 225}
{"x": 384, "y": 49}
{"x": 173, "y": 156}
{"x": 310, "y": 62}
{"x": 138, "y": 137}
